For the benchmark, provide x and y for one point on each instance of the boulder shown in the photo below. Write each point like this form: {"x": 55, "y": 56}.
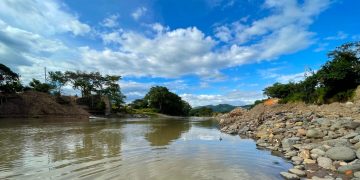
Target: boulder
{"x": 358, "y": 153}
{"x": 341, "y": 153}
{"x": 318, "y": 152}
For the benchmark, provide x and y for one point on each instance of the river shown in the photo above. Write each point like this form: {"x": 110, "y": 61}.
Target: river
{"x": 130, "y": 149}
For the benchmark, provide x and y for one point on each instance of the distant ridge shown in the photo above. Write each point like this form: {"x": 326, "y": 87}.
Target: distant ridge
{"x": 222, "y": 108}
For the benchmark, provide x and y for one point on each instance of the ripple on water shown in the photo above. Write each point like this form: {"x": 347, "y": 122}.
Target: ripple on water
{"x": 132, "y": 149}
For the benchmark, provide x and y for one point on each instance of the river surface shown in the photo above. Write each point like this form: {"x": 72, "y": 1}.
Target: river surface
{"x": 130, "y": 149}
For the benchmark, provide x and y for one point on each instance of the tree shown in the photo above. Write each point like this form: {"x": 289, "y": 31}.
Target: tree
{"x": 138, "y": 104}
{"x": 58, "y": 80}
{"x": 36, "y": 85}
{"x": 166, "y": 102}
{"x": 9, "y": 80}
{"x": 112, "y": 90}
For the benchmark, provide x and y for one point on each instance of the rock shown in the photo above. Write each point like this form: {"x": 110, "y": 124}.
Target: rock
{"x": 350, "y": 167}
{"x": 358, "y": 153}
{"x": 301, "y": 132}
{"x": 341, "y": 153}
{"x": 337, "y": 142}
{"x": 291, "y": 153}
{"x": 298, "y": 123}
{"x": 297, "y": 172}
{"x": 305, "y": 154}
{"x": 309, "y": 161}
{"x": 297, "y": 158}
{"x": 324, "y": 178}
{"x": 350, "y": 135}
{"x": 288, "y": 143}
{"x": 314, "y": 133}
{"x": 318, "y": 152}
{"x": 289, "y": 176}
{"x": 357, "y": 174}
{"x": 324, "y": 162}
{"x": 357, "y": 145}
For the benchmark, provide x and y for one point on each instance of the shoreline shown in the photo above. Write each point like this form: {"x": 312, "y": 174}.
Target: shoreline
{"x": 319, "y": 145}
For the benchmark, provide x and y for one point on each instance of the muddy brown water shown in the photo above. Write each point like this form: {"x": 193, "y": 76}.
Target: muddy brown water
{"x": 130, "y": 149}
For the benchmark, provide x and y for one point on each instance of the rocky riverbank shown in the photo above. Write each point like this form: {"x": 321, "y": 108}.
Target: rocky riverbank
{"x": 323, "y": 142}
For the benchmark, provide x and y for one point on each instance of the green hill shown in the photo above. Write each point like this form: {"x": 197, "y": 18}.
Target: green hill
{"x": 222, "y": 108}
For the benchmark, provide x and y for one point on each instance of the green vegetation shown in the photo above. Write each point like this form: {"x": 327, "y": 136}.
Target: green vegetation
{"x": 93, "y": 86}
{"x": 221, "y": 108}
{"x": 336, "y": 80}
{"x": 9, "y": 81}
{"x": 201, "y": 112}
{"x": 163, "y": 101}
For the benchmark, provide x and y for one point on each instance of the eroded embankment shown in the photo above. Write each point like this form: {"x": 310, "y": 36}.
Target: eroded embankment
{"x": 321, "y": 141}
{"x": 36, "y": 104}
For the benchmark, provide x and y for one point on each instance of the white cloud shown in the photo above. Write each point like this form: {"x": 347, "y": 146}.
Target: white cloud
{"x": 111, "y": 21}
{"x": 139, "y": 12}
{"x": 339, "y": 36}
{"x": 288, "y": 16}
{"x": 41, "y": 17}
{"x": 235, "y": 97}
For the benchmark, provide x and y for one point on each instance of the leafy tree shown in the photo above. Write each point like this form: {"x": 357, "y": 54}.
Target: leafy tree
{"x": 166, "y": 102}
{"x": 58, "y": 80}
{"x": 112, "y": 89}
{"x": 138, "y": 104}
{"x": 36, "y": 85}
{"x": 336, "y": 80}
{"x": 9, "y": 80}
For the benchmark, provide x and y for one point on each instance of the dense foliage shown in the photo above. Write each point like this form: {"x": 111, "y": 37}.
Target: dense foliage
{"x": 336, "y": 80}
{"x": 9, "y": 80}
{"x": 221, "y": 108}
{"x": 201, "y": 112}
{"x": 164, "y": 101}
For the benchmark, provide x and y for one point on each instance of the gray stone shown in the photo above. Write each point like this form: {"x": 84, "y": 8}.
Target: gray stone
{"x": 297, "y": 172}
{"x": 297, "y": 158}
{"x": 288, "y": 143}
{"x": 324, "y": 162}
{"x": 358, "y": 153}
{"x": 350, "y": 135}
{"x": 357, "y": 174}
{"x": 318, "y": 152}
{"x": 357, "y": 145}
{"x": 289, "y": 176}
{"x": 314, "y": 133}
{"x": 353, "y": 167}
{"x": 337, "y": 142}
{"x": 341, "y": 153}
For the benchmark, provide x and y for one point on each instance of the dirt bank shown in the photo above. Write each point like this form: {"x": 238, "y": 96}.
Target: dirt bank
{"x": 36, "y": 104}
{"x": 321, "y": 141}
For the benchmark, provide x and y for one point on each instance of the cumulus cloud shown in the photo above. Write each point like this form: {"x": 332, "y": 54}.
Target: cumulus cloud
{"x": 41, "y": 17}
{"x": 139, "y": 12}
{"x": 111, "y": 21}
{"x": 234, "y": 97}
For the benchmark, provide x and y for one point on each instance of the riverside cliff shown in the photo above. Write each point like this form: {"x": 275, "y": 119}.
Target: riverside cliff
{"x": 323, "y": 142}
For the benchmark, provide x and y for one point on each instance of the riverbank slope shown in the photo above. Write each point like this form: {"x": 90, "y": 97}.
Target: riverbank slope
{"x": 321, "y": 141}
{"x": 36, "y": 104}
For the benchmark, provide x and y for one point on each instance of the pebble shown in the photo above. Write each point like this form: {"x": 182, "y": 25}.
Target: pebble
{"x": 289, "y": 176}
{"x": 297, "y": 172}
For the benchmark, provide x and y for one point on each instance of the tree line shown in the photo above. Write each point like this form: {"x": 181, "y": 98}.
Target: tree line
{"x": 89, "y": 84}
{"x": 335, "y": 81}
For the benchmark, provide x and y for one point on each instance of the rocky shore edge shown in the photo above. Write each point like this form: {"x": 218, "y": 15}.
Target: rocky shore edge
{"x": 322, "y": 142}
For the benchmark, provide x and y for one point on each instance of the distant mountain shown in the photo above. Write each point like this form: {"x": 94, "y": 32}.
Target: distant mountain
{"x": 223, "y": 108}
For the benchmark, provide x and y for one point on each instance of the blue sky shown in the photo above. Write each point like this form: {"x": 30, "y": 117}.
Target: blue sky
{"x": 207, "y": 51}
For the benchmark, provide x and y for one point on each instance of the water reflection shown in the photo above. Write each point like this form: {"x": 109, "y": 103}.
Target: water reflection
{"x": 162, "y": 132}
{"x": 124, "y": 149}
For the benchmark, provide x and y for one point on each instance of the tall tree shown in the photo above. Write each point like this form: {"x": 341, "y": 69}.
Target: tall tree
{"x": 58, "y": 80}
{"x": 9, "y": 80}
